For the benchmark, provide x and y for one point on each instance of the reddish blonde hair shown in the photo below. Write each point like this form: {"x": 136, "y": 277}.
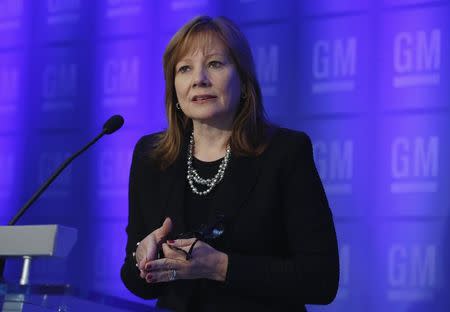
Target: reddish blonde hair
{"x": 250, "y": 127}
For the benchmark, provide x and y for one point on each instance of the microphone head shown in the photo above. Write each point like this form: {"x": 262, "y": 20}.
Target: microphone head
{"x": 113, "y": 124}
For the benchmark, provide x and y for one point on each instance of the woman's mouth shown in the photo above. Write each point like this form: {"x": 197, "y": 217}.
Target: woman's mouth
{"x": 203, "y": 98}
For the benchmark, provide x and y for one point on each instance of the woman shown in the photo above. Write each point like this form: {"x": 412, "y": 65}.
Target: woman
{"x": 260, "y": 234}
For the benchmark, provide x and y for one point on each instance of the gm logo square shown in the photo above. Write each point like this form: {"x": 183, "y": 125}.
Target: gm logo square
{"x": 274, "y": 55}
{"x": 259, "y": 10}
{"x": 413, "y": 168}
{"x": 410, "y": 264}
{"x": 341, "y": 153}
{"x": 326, "y": 6}
{"x": 405, "y": 2}
{"x": 124, "y": 81}
{"x": 12, "y": 88}
{"x": 414, "y": 71}
{"x": 62, "y": 87}
{"x": 107, "y": 256}
{"x": 334, "y": 65}
{"x": 354, "y": 267}
{"x": 10, "y": 160}
{"x": 112, "y": 161}
{"x": 62, "y": 19}
{"x": 121, "y": 17}
{"x": 49, "y": 151}
{"x": 14, "y": 22}
{"x": 178, "y": 12}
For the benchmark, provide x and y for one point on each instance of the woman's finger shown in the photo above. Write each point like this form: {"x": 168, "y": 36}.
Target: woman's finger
{"x": 163, "y": 276}
{"x": 173, "y": 252}
{"x": 141, "y": 264}
{"x": 182, "y": 242}
{"x": 164, "y": 230}
{"x": 163, "y": 264}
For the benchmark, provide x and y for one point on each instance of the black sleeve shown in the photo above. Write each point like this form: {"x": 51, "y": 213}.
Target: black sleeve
{"x": 311, "y": 273}
{"x": 136, "y": 230}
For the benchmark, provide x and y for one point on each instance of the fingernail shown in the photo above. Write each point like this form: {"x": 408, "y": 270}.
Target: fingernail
{"x": 148, "y": 278}
{"x": 171, "y": 241}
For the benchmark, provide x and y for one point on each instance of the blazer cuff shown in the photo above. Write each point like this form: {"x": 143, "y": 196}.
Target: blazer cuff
{"x": 135, "y": 284}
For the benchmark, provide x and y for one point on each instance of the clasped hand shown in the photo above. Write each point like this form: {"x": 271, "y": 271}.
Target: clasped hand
{"x": 206, "y": 262}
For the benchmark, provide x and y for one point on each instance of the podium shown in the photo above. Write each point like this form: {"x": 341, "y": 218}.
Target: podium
{"x": 63, "y": 298}
{"x": 30, "y": 241}
{"x": 33, "y": 241}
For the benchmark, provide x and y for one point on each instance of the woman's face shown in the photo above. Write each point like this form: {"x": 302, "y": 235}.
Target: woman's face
{"x": 207, "y": 85}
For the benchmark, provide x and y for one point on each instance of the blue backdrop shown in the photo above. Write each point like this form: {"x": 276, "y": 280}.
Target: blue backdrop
{"x": 368, "y": 80}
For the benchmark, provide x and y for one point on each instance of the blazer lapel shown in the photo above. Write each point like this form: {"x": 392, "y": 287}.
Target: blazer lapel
{"x": 173, "y": 183}
{"x": 239, "y": 180}
{"x": 242, "y": 175}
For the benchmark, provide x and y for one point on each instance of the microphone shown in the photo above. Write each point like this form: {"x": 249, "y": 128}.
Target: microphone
{"x": 113, "y": 124}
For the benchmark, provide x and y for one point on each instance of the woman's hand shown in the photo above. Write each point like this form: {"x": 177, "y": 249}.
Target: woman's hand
{"x": 148, "y": 247}
{"x": 206, "y": 262}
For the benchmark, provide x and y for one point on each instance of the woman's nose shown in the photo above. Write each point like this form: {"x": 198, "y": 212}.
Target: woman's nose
{"x": 201, "y": 78}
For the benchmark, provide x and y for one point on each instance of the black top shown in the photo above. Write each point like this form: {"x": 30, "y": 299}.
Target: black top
{"x": 281, "y": 243}
{"x": 198, "y": 207}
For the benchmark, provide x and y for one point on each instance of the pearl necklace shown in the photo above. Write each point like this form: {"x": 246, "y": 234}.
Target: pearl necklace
{"x": 194, "y": 177}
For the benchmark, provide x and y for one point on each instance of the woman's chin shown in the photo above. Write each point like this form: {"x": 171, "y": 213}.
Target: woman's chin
{"x": 206, "y": 115}
{"x": 211, "y": 119}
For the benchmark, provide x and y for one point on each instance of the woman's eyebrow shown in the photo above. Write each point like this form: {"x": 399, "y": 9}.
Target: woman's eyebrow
{"x": 187, "y": 59}
{"x": 215, "y": 54}
{"x": 184, "y": 60}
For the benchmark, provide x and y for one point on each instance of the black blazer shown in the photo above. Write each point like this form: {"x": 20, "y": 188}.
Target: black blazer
{"x": 281, "y": 240}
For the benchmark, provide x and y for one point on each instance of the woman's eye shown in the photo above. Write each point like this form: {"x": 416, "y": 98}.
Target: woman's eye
{"x": 215, "y": 64}
{"x": 183, "y": 69}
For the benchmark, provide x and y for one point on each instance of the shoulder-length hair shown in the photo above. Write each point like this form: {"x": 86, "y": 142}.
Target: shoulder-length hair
{"x": 250, "y": 126}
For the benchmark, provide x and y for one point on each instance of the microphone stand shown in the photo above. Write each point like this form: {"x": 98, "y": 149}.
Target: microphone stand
{"x": 58, "y": 171}
{"x": 43, "y": 187}
{"x": 112, "y": 125}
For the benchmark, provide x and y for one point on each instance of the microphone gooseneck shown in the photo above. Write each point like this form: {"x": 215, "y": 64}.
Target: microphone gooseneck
{"x": 111, "y": 125}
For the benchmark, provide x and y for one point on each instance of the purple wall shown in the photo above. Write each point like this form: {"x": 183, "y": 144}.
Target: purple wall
{"x": 368, "y": 80}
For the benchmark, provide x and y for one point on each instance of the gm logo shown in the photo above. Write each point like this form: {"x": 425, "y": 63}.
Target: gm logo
{"x": 417, "y": 58}
{"x": 103, "y": 255}
{"x": 7, "y": 165}
{"x": 121, "y": 81}
{"x": 10, "y": 13}
{"x": 119, "y": 8}
{"x": 9, "y": 88}
{"x": 411, "y": 271}
{"x": 63, "y": 11}
{"x": 113, "y": 168}
{"x": 48, "y": 162}
{"x": 267, "y": 60}
{"x": 334, "y": 65}
{"x": 59, "y": 86}
{"x": 334, "y": 160}
{"x": 414, "y": 164}
{"x": 177, "y": 5}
